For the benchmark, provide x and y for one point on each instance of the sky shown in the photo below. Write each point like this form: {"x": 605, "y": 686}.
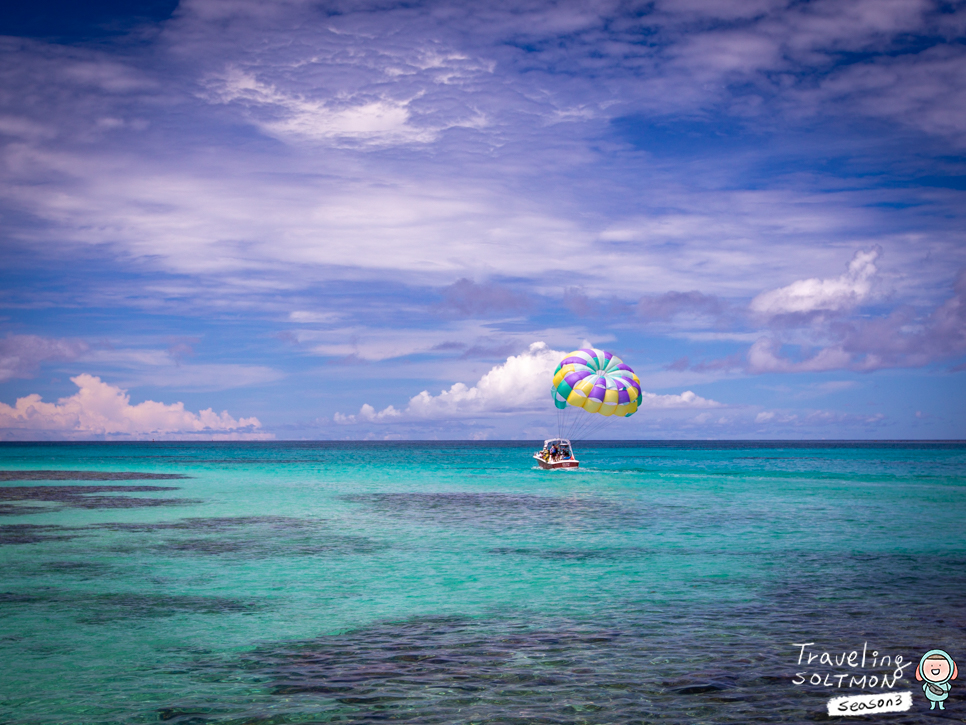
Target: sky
{"x": 238, "y": 219}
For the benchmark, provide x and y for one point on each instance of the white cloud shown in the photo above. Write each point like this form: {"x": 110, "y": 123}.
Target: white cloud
{"x": 99, "y": 409}
{"x": 367, "y": 413}
{"x": 378, "y": 120}
{"x": 519, "y": 384}
{"x": 687, "y": 399}
{"x": 810, "y": 295}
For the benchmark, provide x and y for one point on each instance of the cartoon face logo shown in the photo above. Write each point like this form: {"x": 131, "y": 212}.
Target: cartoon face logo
{"x": 936, "y": 669}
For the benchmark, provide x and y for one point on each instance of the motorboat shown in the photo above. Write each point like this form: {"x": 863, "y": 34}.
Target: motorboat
{"x": 556, "y": 453}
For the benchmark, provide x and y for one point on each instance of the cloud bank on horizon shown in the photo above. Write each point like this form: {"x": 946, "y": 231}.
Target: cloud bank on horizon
{"x": 293, "y": 210}
{"x": 519, "y": 384}
{"x": 103, "y": 411}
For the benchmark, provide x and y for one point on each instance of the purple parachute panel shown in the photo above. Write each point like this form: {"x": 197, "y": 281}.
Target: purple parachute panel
{"x": 575, "y": 377}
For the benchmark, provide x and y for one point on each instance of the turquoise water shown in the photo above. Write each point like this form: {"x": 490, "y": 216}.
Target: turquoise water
{"x": 454, "y": 582}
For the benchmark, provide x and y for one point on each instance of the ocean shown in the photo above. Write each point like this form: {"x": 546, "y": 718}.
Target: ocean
{"x": 454, "y": 582}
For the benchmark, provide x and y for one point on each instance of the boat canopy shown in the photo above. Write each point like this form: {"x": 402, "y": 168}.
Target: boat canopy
{"x": 562, "y": 444}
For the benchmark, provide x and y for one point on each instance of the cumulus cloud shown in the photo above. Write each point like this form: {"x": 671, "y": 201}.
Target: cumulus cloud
{"x": 367, "y": 413}
{"x": 519, "y": 384}
{"x": 21, "y": 355}
{"x": 101, "y": 410}
{"x": 811, "y": 295}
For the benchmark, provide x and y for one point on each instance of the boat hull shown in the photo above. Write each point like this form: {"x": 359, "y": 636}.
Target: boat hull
{"x": 554, "y": 465}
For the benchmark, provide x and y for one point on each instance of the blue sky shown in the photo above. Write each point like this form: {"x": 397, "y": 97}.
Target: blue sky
{"x": 295, "y": 220}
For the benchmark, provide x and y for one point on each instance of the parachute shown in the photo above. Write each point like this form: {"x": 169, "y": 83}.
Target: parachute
{"x": 599, "y": 383}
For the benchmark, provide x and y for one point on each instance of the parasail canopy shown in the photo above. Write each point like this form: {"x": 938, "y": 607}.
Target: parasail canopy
{"x": 596, "y": 381}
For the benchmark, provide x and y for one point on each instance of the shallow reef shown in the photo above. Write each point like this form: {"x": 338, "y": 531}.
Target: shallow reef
{"x": 84, "y": 497}
{"x": 87, "y": 476}
{"x": 499, "y": 510}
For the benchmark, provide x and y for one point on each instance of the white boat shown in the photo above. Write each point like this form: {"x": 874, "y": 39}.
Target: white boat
{"x": 556, "y": 453}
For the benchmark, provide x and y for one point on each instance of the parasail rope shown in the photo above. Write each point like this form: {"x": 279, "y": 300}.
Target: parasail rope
{"x": 576, "y": 424}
